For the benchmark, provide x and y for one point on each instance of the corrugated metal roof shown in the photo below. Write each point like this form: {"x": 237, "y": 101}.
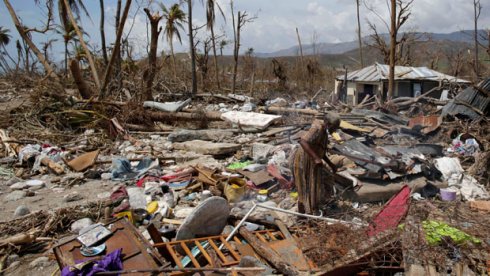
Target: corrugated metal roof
{"x": 479, "y": 99}
{"x": 379, "y": 72}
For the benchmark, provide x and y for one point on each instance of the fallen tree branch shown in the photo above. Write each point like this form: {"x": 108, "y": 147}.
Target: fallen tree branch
{"x": 183, "y": 116}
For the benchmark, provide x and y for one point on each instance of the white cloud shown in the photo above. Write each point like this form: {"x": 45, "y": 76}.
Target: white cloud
{"x": 274, "y": 29}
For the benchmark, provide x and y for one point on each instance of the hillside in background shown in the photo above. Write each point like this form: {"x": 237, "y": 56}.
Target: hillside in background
{"x": 465, "y": 36}
{"x": 421, "y": 53}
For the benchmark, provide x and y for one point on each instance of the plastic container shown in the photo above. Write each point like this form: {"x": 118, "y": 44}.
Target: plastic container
{"x": 152, "y": 207}
{"x": 448, "y": 195}
{"x": 262, "y": 196}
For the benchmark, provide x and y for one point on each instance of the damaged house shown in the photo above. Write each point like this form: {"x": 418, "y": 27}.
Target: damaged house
{"x": 354, "y": 86}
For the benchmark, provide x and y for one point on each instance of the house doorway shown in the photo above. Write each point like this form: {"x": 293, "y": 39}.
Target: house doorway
{"x": 368, "y": 90}
{"x": 417, "y": 89}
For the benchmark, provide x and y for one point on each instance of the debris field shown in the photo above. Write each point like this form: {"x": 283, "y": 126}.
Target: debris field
{"x": 184, "y": 186}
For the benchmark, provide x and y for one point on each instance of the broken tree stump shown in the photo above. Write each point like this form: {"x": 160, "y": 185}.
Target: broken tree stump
{"x": 82, "y": 86}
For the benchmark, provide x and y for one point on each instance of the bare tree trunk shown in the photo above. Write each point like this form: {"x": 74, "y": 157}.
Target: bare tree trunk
{"x": 84, "y": 46}
{"x": 66, "y": 57}
{"x": 118, "y": 57}
{"x": 391, "y": 80}
{"x": 235, "y": 47}
{"x": 26, "y": 65}
{"x": 22, "y": 32}
{"x": 216, "y": 72}
{"x": 302, "y": 61}
{"x": 102, "y": 32}
{"x": 359, "y": 37}
{"x": 117, "y": 47}
{"x": 192, "y": 50}
{"x": 174, "y": 64}
{"x": 152, "y": 57}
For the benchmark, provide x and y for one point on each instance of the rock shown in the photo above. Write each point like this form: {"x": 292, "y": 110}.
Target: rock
{"x": 22, "y": 210}
{"x": 71, "y": 176}
{"x": 130, "y": 149}
{"x": 74, "y": 196}
{"x": 35, "y": 188}
{"x": 15, "y": 195}
{"x": 203, "y": 134}
{"x": 206, "y": 159}
{"x": 137, "y": 198}
{"x": 208, "y": 219}
{"x": 13, "y": 180}
{"x": 248, "y": 107}
{"x": 40, "y": 262}
{"x": 14, "y": 265}
{"x": 58, "y": 190}
{"x": 12, "y": 258}
{"x": 80, "y": 224}
{"x": 106, "y": 176}
{"x": 205, "y": 147}
{"x": 19, "y": 186}
{"x": 260, "y": 151}
{"x": 249, "y": 261}
{"x": 277, "y": 102}
{"x": 35, "y": 183}
{"x": 243, "y": 140}
{"x": 241, "y": 208}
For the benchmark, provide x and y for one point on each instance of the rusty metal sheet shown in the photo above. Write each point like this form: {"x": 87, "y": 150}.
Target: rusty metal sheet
{"x": 136, "y": 251}
{"x": 289, "y": 251}
{"x": 430, "y": 123}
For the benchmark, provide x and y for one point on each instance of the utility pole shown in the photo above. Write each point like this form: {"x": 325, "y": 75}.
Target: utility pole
{"x": 391, "y": 80}
{"x": 359, "y": 38}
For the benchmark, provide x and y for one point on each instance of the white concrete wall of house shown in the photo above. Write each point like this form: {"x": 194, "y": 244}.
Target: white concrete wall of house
{"x": 336, "y": 88}
{"x": 351, "y": 93}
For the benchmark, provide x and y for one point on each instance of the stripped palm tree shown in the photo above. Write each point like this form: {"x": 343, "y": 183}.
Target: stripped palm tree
{"x": 174, "y": 18}
{"x": 4, "y": 41}
{"x": 68, "y": 34}
{"x": 66, "y": 29}
{"x": 210, "y": 20}
{"x": 4, "y": 36}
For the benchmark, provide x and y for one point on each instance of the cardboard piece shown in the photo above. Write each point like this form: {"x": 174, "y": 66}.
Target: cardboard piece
{"x": 83, "y": 161}
{"x": 258, "y": 178}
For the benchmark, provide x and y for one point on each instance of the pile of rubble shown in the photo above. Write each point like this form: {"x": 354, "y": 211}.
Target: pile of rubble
{"x": 411, "y": 193}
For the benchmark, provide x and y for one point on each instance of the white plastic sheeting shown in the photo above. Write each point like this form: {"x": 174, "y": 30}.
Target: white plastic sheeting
{"x": 466, "y": 185}
{"x": 250, "y": 119}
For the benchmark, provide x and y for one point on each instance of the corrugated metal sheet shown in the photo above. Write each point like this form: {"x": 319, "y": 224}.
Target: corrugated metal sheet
{"x": 378, "y": 72}
{"x": 479, "y": 99}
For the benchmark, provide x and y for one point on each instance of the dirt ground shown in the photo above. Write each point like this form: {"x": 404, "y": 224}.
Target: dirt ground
{"x": 51, "y": 198}
{"x": 24, "y": 269}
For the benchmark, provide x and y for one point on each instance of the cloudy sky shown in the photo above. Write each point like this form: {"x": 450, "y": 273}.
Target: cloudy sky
{"x": 275, "y": 23}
